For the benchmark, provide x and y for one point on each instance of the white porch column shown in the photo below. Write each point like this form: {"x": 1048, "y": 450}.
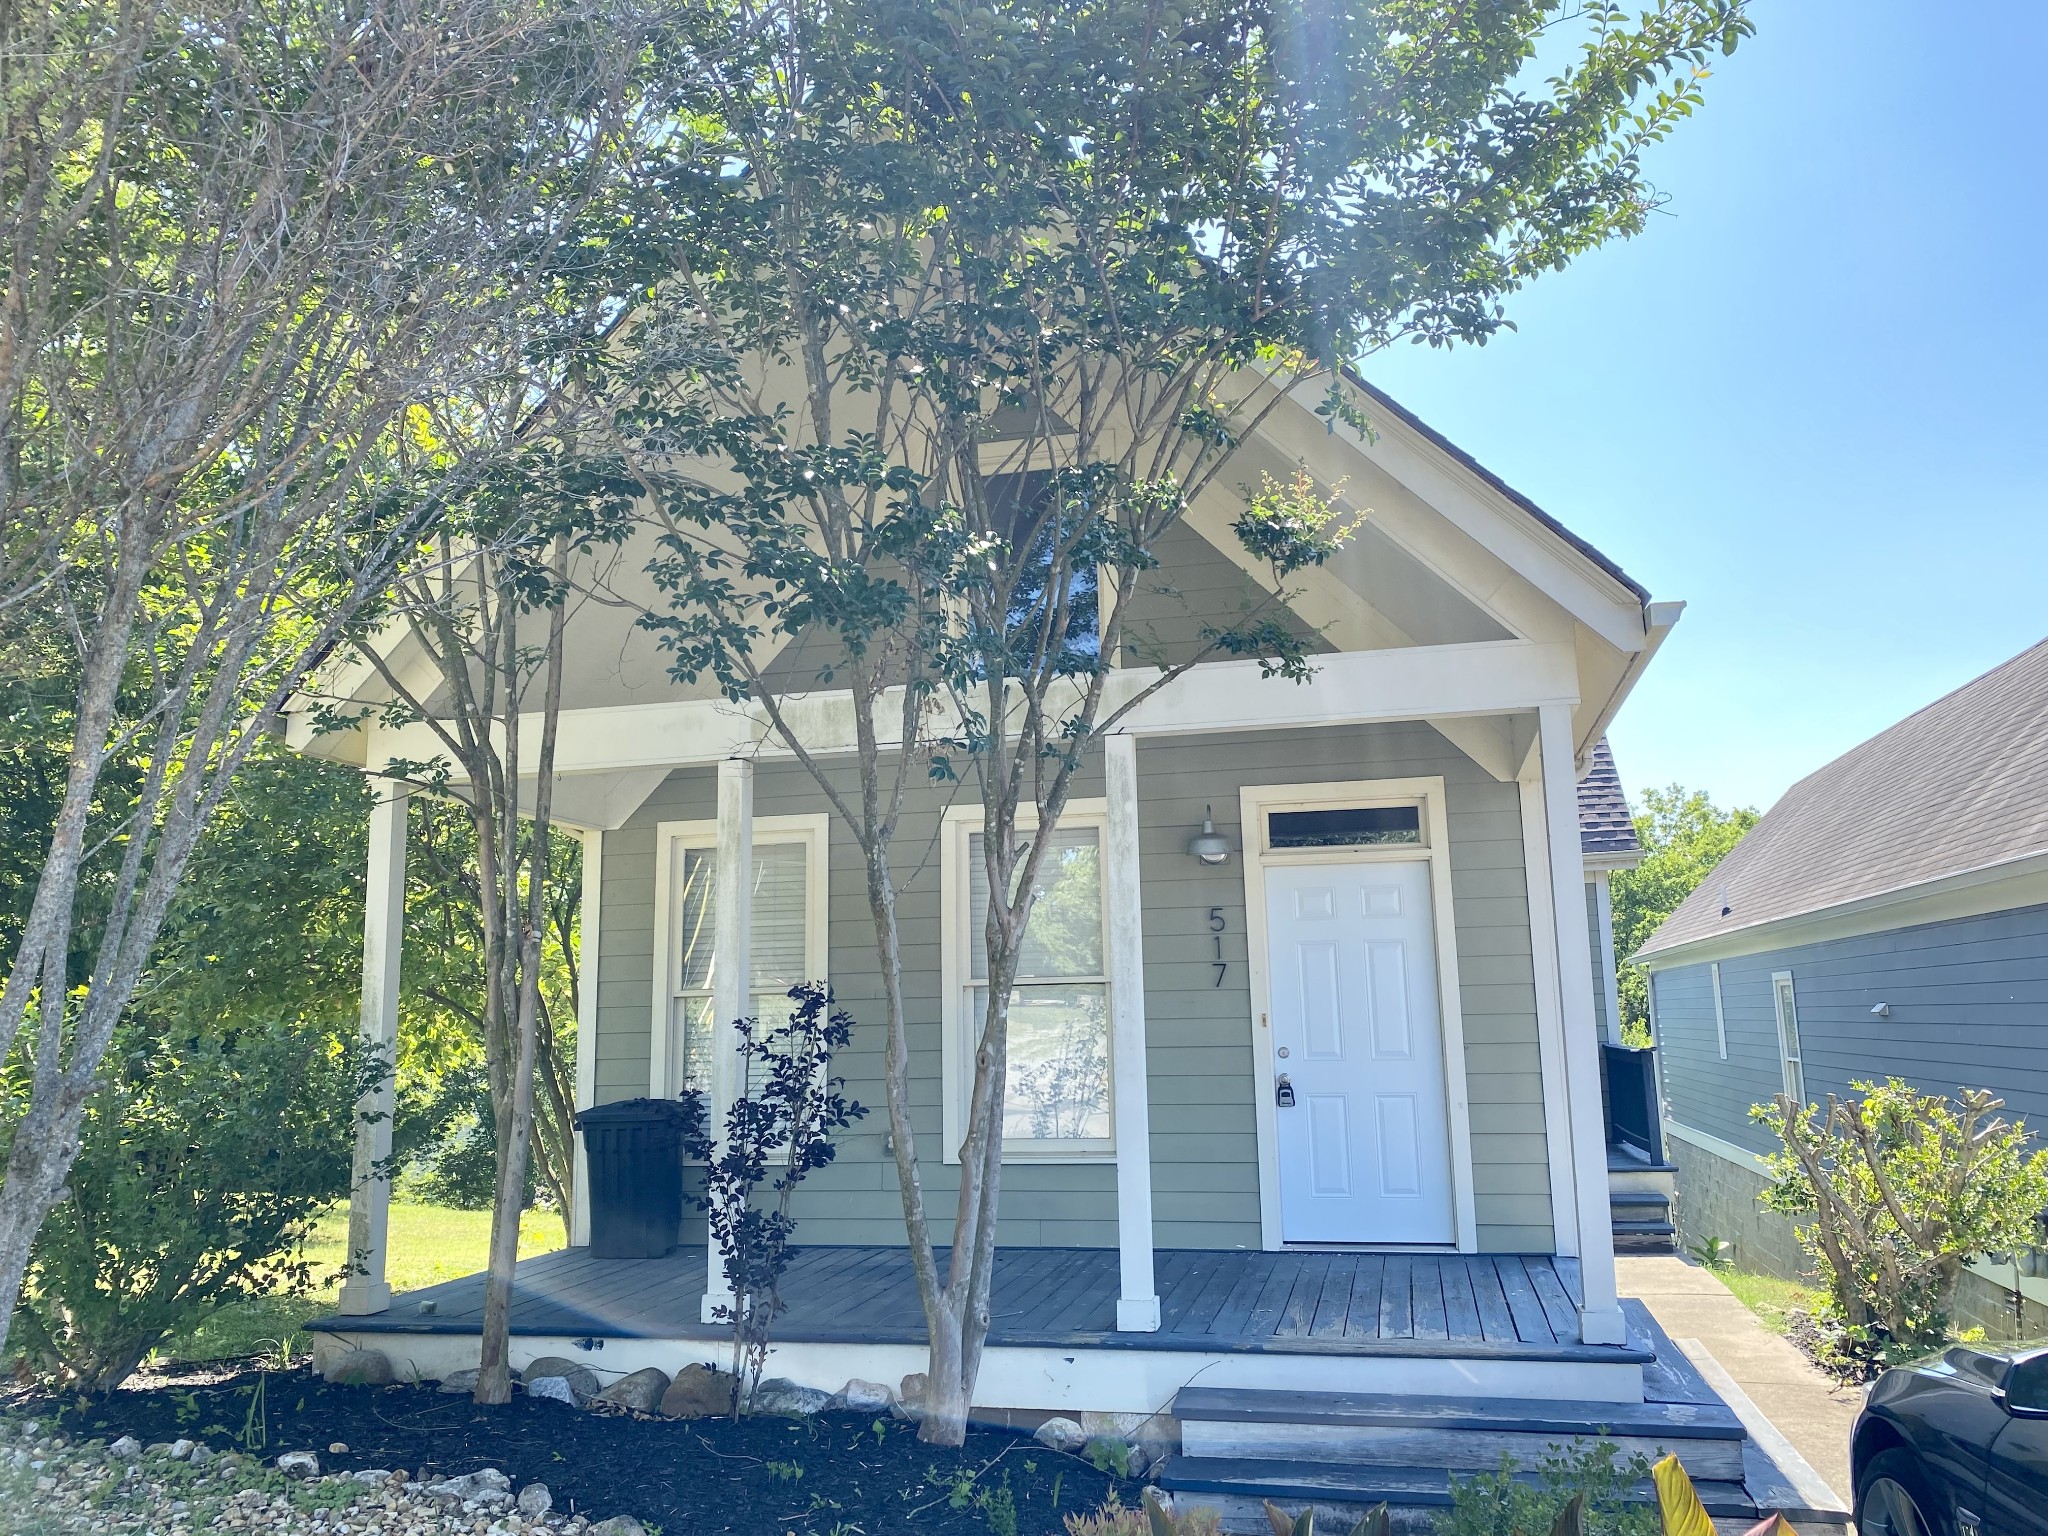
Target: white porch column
{"x": 586, "y": 1022}
{"x": 1610, "y": 978}
{"x": 1137, "y": 1307}
{"x": 731, "y": 965}
{"x": 369, "y": 1201}
{"x": 1557, "y": 1104}
{"x": 1600, "y": 1320}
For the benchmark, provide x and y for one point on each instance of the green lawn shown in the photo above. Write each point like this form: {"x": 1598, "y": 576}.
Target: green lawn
{"x": 1771, "y": 1299}
{"x": 429, "y": 1244}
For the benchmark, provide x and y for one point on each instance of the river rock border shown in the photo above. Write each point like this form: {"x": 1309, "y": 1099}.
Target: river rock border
{"x": 182, "y": 1487}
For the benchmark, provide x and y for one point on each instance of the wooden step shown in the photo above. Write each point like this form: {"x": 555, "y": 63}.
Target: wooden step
{"x": 1243, "y": 1483}
{"x": 1358, "y": 1429}
{"x": 1638, "y": 1200}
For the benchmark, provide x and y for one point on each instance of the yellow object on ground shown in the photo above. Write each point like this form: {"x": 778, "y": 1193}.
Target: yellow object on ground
{"x": 1683, "y": 1513}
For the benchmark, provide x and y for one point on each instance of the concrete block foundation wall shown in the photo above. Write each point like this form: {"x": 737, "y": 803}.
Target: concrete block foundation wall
{"x": 1717, "y": 1198}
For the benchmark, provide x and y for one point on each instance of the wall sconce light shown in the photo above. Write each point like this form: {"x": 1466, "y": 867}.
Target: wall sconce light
{"x": 1883, "y": 1010}
{"x": 1209, "y": 845}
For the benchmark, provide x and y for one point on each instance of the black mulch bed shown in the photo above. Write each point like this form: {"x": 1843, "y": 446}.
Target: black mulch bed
{"x": 833, "y": 1475}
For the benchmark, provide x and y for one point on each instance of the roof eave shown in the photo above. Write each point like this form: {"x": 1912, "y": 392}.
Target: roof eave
{"x": 1749, "y": 938}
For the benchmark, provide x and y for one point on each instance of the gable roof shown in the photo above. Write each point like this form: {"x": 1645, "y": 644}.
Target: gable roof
{"x": 1451, "y": 450}
{"x": 1607, "y": 833}
{"x": 1958, "y": 787}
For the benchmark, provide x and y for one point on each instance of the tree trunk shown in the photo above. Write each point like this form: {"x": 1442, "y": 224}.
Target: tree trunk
{"x": 523, "y": 911}
{"x": 943, "y": 1416}
{"x": 494, "y": 1376}
{"x": 45, "y": 1145}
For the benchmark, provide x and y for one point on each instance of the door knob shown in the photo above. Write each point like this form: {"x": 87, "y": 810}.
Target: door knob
{"x": 1283, "y": 1092}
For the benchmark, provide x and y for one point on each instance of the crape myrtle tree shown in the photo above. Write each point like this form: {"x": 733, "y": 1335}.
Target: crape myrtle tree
{"x": 444, "y": 998}
{"x": 976, "y": 299}
{"x": 240, "y": 247}
{"x": 486, "y": 603}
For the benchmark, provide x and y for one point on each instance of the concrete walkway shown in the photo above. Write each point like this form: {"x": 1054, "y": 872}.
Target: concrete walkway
{"x": 1807, "y": 1409}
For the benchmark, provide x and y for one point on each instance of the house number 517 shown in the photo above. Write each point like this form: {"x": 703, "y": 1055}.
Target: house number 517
{"x": 1216, "y": 927}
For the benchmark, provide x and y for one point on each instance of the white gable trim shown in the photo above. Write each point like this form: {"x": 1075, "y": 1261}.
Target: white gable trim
{"x": 1478, "y": 510}
{"x": 1488, "y": 677}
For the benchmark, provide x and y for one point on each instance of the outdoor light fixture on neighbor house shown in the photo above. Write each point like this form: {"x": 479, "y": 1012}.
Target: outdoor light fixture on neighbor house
{"x": 1209, "y": 845}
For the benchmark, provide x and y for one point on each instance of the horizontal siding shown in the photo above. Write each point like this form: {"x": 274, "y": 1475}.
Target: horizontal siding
{"x": 1969, "y": 1008}
{"x": 1204, "y": 1138}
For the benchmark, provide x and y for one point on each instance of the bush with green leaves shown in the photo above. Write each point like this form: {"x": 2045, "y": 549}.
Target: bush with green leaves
{"x": 205, "y": 1159}
{"x": 1593, "y": 1474}
{"x": 1901, "y": 1190}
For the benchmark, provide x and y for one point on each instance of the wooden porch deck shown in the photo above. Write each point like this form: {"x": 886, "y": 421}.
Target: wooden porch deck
{"x": 1497, "y": 1306}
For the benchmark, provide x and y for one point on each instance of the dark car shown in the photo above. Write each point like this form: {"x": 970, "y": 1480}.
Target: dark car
{"x": 1955, "y": 1446}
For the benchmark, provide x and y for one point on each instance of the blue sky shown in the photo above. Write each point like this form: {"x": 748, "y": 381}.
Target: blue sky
{"x": 1809, "y": 399}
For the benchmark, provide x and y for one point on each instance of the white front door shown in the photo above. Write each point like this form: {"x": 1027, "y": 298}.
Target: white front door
{"x": 1357, "y": 1038}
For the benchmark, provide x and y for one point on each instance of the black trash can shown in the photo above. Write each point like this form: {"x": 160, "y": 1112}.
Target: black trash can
{"x": 635, "y": 1153}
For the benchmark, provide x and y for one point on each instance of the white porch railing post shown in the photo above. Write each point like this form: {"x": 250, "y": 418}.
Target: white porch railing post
{"x": 731, "y": 966}
{"x": 369, "y": 1201}
{"x": 586, "y": 1023}
{"x": 1600, "y": 1320}
{"x": 1137, "y": 1308}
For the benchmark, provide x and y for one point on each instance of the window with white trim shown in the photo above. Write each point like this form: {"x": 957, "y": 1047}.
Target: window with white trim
{"x": 787, "y": 944}
{"x": 1057, "y": 1098}
{"x": 1720, "y": 1015}
{"x": 1788, "y": 1035}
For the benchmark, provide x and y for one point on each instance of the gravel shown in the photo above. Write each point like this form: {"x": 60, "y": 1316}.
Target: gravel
{"x": 52, "y": 1486}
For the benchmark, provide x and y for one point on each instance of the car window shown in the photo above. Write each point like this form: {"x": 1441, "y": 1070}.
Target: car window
{"x": 2026, "y": 1385}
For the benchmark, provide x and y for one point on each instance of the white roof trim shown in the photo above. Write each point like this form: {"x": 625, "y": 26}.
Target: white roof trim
{"x": 2000, "y": 887}
{"x": 1509, "y": 532}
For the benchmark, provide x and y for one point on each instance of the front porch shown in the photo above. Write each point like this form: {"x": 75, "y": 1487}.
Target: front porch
{"x": 1341, "y": 1378}
{"x": 1496, "y": 1325}
{"x": 1497, "y": 1306}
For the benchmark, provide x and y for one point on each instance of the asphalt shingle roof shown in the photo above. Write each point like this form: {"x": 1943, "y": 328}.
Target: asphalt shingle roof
{"x": 1962, "y": 785}
{"x": 1605, "y": 826}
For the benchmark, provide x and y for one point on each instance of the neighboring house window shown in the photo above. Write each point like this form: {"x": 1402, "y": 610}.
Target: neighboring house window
{"x": 1056, "y": 1099}
{"x": 1788, "y": 1035}
{"x": 787, "y": 943}
{"x": 1720, "y": 1018}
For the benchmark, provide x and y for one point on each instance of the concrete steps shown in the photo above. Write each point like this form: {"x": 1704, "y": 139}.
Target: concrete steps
{"x": 1237, "y": 1487}
{"x": 1343, "y": 1452}
{"x": 1459, "y": 1434}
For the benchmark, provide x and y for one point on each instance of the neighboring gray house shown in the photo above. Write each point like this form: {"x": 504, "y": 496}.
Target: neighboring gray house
{"x": 1889, "y": 917}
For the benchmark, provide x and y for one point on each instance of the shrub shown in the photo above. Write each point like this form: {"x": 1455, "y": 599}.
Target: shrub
{"x": 204, "y": 1160}
{"x": 445, "y": 1146}
{"x": 1153, "y": 1519}
{"x": 776, "y": 1133}
{"x": 1590, "y": 1472}
{"x": 1903, "y": 1189}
